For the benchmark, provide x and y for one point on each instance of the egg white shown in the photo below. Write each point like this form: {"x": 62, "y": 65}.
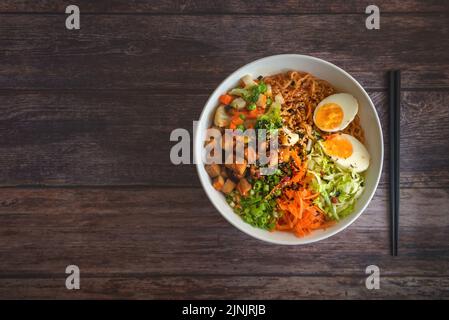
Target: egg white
{"x": 359, "y": 159}
{"x": 348, "y": 104}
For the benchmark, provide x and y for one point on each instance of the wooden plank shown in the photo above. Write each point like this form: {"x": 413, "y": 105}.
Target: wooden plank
{"x": 192, "y": 53}
{"x": 170, "y": 231}
{"x": 122, "y": 137}
{"x": 238, "y": 287}
{"x": 223, "y": 7}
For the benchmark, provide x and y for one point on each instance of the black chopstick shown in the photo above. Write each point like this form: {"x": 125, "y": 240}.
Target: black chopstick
{"x": 395, "y": 119}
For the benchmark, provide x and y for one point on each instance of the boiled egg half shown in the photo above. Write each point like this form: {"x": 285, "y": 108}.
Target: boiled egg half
{"x": 335, "y": 112}
{"x": 346, "y": 151}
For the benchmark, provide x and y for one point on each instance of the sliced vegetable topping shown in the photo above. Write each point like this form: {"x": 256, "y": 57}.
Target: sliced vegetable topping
{"x": 225, "y": 99}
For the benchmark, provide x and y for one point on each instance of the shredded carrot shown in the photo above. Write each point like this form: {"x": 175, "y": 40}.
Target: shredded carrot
{"x": 297, "y": 159}
{"x": 312, "y": 196}
{"x": 300, "y": 214}
{"x": 301, "y": 168}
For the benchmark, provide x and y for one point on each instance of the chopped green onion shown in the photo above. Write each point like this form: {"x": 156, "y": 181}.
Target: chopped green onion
{"x": 258, "y": 208}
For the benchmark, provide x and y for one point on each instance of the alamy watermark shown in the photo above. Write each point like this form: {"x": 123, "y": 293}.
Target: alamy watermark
{"x": 373, "y": 280}
{"x": 72, "y": 282}
{"x": 373, "y": 20}
{"x": 73, "y": 20}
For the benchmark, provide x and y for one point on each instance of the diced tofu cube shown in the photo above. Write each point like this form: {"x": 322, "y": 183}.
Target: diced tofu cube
{"x": 228, "y": 186}
{"x": 218, "y": 183}
{"x": 284, "y": 154}
{"x": 244, "y": 187}
{"x": 240, "y": 169}
{"x": 223, "y": 173}
{"x": 213, "y": 170}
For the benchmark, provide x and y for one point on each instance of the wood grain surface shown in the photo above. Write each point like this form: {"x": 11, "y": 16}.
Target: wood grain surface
{"x": 85, "y": 174}
{"x": 223, "y": 7}
{"x": 174, "y": 53}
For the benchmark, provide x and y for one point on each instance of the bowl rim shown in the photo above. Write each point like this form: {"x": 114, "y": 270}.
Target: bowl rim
{"x": 351, "y": 219}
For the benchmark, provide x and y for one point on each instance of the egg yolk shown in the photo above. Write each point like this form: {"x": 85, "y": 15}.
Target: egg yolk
{"x": 329, "y": 116}
{"x": 337, "y": 146}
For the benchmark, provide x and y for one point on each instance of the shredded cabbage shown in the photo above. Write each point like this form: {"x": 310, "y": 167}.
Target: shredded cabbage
{"x": 338, "y": 187}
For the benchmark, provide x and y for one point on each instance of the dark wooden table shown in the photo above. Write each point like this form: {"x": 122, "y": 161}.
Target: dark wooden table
{"x": 85, "y": 119}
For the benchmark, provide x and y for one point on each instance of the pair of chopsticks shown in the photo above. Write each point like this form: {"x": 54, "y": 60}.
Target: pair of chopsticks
{"x": 395, "y": 120}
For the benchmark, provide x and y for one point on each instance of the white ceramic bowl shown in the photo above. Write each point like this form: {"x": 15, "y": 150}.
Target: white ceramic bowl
{"x": 343, "y": 82}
